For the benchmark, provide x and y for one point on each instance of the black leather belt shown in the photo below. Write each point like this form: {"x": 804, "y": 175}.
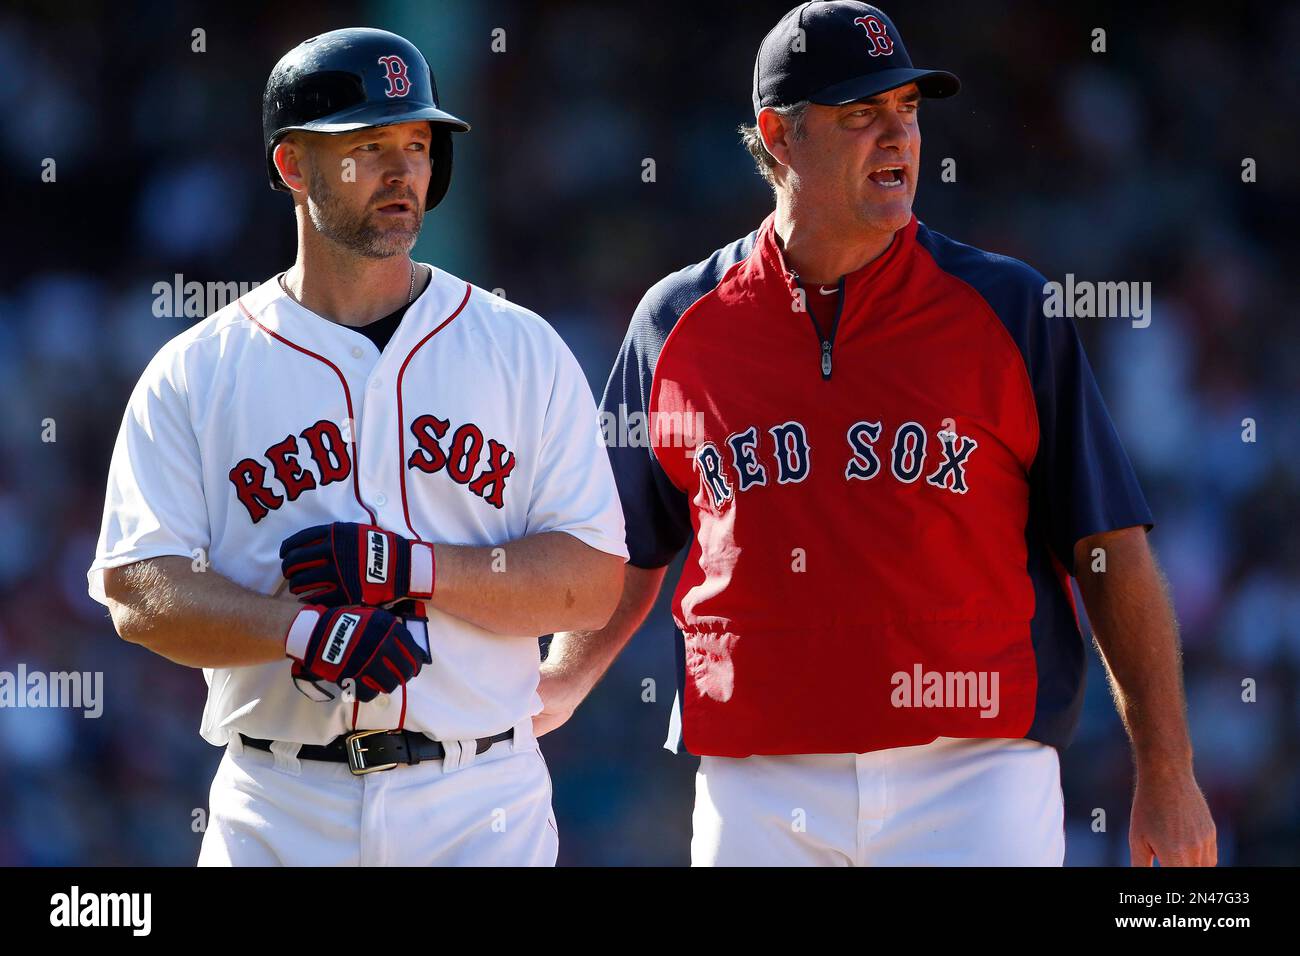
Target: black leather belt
{"x": 366, "y": 751}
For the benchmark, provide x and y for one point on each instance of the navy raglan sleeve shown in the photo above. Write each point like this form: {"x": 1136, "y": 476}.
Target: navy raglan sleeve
{"x": 1081, "y": 479}
{"x": 656, "y": 512}
{"x": 1081, "y": 473}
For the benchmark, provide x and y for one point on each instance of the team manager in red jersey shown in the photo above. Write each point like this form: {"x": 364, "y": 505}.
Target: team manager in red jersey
{"x": 886, "y": 459}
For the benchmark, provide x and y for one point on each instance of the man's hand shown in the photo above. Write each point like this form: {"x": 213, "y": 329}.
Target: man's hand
{"x": 345, "y": 563}
{"x": 559, "y": 700}
{"x": 1171, "y": 821}
{"x": 369, "y": 646}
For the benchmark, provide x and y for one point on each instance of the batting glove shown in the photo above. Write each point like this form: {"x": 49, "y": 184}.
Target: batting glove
{"x": 367, "y": 645}
{"x": 344, "y": 563}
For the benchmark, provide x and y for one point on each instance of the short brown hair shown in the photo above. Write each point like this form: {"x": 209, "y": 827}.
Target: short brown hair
{"x": 753, "y": 139}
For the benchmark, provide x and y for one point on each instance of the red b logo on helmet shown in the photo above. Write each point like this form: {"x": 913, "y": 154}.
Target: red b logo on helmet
{"x": 881, "y": 44}
{"x": 399, "y": 84}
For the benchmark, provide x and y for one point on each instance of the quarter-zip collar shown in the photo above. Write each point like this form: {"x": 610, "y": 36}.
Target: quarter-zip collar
{"x": 883, "y": 268}
{"x": 881, "y": 271}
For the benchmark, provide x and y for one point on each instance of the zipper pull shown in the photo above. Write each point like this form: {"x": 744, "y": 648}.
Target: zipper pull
{"x": 826, "y": 359}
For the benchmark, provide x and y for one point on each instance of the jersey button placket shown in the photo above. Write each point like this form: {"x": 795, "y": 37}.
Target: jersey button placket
{"x": 368, "y": 361}
{"x": 379, "y": 499}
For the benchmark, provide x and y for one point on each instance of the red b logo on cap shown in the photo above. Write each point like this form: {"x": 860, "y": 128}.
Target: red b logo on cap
{"x": 881, "y": 44}
{"x": 399, "y": 84}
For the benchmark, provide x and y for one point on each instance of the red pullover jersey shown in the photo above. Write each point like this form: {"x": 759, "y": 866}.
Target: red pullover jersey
{"x": 881, "y": 506}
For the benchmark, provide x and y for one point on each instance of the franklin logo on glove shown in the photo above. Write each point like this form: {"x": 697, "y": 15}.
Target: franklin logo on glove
{"x": 339, "y": 637}
{"x": 343, "y": 563}
{"x": 377, "y": 569}
{"x": 367, "y": 645}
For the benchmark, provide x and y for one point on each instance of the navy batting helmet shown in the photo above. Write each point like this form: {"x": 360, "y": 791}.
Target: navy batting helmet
{"x": 351, "y": 79}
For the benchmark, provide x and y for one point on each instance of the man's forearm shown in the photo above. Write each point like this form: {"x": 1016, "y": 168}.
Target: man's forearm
{"x": 1133, "y": 622}
{"x": 578, "y": 659}
{"x": 536, "y": 585}
{"x": 196, "y": 618}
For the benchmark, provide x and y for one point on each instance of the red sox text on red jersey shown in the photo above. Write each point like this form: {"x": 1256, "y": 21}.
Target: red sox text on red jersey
{"x": 740, "y": 468}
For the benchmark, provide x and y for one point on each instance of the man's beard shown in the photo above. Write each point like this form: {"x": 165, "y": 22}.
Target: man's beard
{"x": 356, "y": 231}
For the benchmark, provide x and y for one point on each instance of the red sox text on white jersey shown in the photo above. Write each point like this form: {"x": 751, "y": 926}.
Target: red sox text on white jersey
{"x": 474, "y": 426}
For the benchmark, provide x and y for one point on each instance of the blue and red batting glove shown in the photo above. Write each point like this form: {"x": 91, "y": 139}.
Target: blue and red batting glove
{"x": 345, "y": 563}
{"x": 368, "y": 646}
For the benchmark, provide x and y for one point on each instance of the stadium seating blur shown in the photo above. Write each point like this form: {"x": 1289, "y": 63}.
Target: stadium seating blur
{"x": 1124, "y": 165}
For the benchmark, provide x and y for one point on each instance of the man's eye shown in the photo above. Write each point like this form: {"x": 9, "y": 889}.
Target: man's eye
{"x": 418, "y": 146}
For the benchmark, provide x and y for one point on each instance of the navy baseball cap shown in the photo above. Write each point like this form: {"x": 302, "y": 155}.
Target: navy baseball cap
{"x": 836, "y": 52}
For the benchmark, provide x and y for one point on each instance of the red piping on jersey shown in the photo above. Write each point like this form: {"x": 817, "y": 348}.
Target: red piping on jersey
{"x": 401, "y": 428}
{"x": 347, "y": 396}
{"x": 401, "y": 452}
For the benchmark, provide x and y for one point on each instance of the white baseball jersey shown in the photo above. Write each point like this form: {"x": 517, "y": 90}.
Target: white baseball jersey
{"x": 474, "y": 426}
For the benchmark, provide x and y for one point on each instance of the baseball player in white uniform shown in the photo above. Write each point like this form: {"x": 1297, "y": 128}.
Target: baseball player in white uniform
{"x": 356, "y": 497}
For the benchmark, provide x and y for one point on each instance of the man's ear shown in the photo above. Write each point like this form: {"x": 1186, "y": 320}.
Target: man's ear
{"x": 775, "y": 132}
{"x": 290, "y": 158}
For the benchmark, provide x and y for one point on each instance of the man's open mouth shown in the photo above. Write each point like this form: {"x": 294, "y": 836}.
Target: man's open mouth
{"x": 397, "y": 206}
{"x": 890, "y": 177}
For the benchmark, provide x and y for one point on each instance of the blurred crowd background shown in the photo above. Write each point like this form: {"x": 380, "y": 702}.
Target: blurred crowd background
{"x": 1124, "y": 165}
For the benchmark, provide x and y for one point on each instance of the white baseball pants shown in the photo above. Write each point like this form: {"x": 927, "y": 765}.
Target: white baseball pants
{"x": 489, "y": 809}
{"x": 952, "y": 802}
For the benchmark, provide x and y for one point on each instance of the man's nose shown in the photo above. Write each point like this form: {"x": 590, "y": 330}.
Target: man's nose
{"x": 894, "y": 133}
{"x": 402, "y": 167}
